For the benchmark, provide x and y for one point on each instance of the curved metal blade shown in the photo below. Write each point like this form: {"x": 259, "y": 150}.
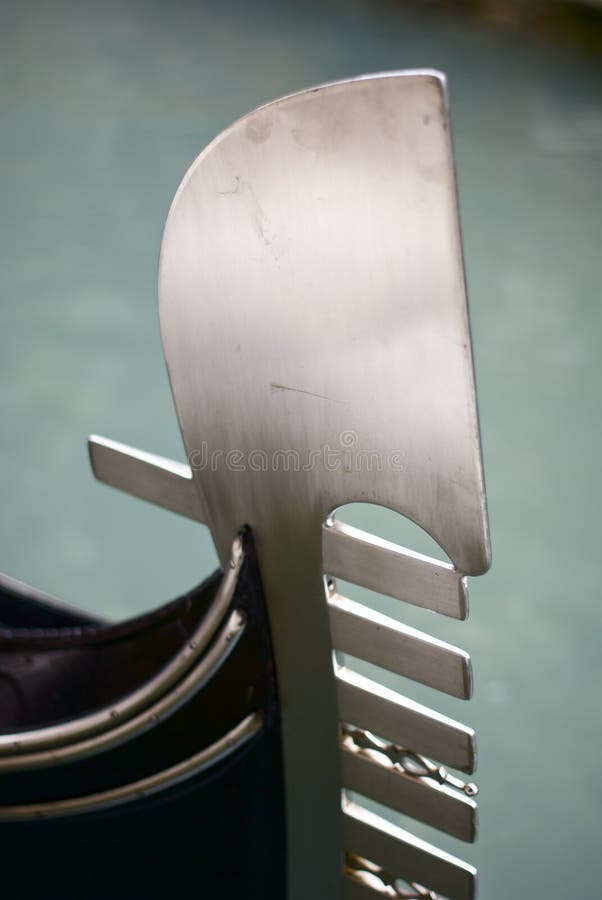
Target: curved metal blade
{"x": 314, "y": 322}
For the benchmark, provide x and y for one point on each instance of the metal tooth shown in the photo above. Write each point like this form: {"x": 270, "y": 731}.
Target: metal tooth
{"x": 372, "y": 773}
{"x": 358, "y": 887}
{"x": 355, "y": 889}
{"x": 154, "y": 478}
{"x": 371, "y": 706}
{"x": 365, "y": 880}
{"x": 380, "y": 640}
{"x": 401, "y": 853}
{"x": 413, "y": 763}
{"x": 379, "y": 565}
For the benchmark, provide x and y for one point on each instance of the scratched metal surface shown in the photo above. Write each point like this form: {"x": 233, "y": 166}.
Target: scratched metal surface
{"x": 102, "y": 109}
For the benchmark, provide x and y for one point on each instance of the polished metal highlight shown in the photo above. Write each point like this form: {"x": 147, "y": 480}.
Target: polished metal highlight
{"x": 373, "y": 774}
{"x": 365, "y": 881}
{"x": 370, "y": 706}
{"x": 366, "y": 634}
{"x": 315, "y": 328}
{"x": 32, "y": 743}
{"x": 405, "y": 856}
{"x": 145, "y": 787}
{"x": 145, "y": 475}
{"x": 412, "y": 763}
{"x": 382, "y": 566}
{"x": 314, "y": 323}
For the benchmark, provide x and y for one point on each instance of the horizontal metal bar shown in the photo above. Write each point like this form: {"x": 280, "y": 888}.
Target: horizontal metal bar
{"x": 369, "y": 705}
{"x": 419, "y": 797}
{"x": 405, "y": 855}
{"x": 137, "y": 790}
{"x": 154, "y": 478}
{"x": 382, "y": 566}
{"x": 380, "y": 640}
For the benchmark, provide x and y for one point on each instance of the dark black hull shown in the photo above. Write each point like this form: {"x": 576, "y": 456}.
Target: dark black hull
{"x": 217, "y": 832}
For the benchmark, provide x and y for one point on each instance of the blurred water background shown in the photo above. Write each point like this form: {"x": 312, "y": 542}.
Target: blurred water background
{"x": 102, "y": 109}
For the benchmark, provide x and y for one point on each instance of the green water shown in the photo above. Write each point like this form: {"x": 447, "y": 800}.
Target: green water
{"x": 102, "y": 108}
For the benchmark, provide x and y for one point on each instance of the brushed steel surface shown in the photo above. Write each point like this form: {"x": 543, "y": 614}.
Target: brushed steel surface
{"x": 417, "y": 797}
{"x": 312, "y": 302}
{"x": 147, "y": 476}
{"x": 145, "y": 787}
{"x": 369, "y": 705}
{"x": 367, "y": 634}
{"x": 379, "y": 565}
{"x": 311, "y": 263}
{"x": 374, "y": 838}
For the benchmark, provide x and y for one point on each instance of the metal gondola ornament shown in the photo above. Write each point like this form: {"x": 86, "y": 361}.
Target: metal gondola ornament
{"x": 314, "y": 322}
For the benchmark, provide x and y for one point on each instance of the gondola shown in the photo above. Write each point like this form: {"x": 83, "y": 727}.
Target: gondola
{"x": 168, "y": 735}
{"x": 314, "y": 323}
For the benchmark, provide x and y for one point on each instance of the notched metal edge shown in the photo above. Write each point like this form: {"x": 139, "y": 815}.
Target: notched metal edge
{"x": 224, "y": 644}
{"x": 360, "y": 631}
{"x": 380, "y": 565}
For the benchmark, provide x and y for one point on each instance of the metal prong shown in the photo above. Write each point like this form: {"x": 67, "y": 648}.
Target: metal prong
{"x": 154, "y": 478}
{"x": 379, "y": 565}
{"x": 354, "y": 889}
{"x": 371, "y": 706}
{"x": 364, "y": 880}
{"x": 374, "y": 776}
{"x": 372, "y": 837}
{"x": 380, "y": 640}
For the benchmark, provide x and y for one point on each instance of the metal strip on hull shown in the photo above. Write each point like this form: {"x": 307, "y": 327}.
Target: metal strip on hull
{"x": 222, "y": 647}
{"x": 49, "y": 738}
{"x": 138, "y": 790}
